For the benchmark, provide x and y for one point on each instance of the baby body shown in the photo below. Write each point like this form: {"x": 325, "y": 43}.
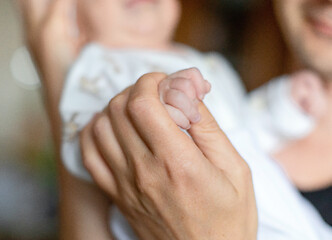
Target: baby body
{"x": 137, "y": 40}
{"x": 99, "y": 74}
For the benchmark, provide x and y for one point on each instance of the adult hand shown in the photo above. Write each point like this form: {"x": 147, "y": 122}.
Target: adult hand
{"x": 48, "y": 26}
{"x": 51, "y": 30}
{"x": 168, "y": 185}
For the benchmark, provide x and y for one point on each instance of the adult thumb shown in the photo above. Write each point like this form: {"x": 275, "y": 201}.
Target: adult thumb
{"x": 213, "y": 142}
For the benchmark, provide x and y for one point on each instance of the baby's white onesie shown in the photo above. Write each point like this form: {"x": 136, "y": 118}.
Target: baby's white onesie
{"x": 99, "y": 74}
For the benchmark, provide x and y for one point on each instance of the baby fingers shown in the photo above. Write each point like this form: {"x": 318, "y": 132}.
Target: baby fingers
{"x": 184, "y": 85}
{"x": 180, "y": 101}
{"x": 178, "y": 117}
{"x": 196, "y": 79}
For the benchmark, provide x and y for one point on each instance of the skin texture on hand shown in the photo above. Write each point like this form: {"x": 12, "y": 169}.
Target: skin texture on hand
{"x": 167, "y": 185}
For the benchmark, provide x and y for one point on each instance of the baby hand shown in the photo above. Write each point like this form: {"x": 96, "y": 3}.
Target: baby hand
{"x": 181, "y": 93}
{"x": 308, "y": 92}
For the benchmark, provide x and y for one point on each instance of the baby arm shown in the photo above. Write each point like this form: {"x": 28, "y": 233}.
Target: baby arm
{"x": 180, "y": 93}
{"x": 286, "y": 109}
{"x": 307, "y": 91}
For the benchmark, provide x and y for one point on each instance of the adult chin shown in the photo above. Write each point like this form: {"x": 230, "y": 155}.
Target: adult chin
{"x": 307, "y": 27}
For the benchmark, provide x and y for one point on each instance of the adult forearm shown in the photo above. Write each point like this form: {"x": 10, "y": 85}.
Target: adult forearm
{"x": 84, "y": 210}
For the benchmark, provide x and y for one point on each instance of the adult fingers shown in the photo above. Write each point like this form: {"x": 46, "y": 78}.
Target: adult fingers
{"x": 118, "y": 161}
{"x": 62, "y": 12}
{"x": 215, "y": 145}
{"x": 136, "y": 154}
{"x": 33, "y": 11}
{"x": 95, "y": 163}
{"x": 61, "y": 22}
{"x": 170, "y": 146}
{"x": 109, "y": 148}
{"x": 150, "y": 117}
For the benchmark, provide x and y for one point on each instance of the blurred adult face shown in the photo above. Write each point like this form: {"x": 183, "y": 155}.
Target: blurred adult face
{"x": 307, "y": 26}
{"x": 130, "y": 23}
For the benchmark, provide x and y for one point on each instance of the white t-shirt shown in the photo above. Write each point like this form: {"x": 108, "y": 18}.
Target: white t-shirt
{"x": 99, "y": 74}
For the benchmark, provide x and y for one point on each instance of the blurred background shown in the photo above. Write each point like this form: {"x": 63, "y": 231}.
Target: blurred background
{"x": 243, "y": 30}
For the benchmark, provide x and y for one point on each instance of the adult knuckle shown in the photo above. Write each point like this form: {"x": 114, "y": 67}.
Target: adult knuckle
{"x": 136, "y": 104}
{"x": 151, "y": 77}
{"x": 243, "y": 170}
{"x": 189, "y": 172}
{"x": 148, "y": 179}
{"x": 141, "y": 184}
{"x": 140, "y": 106}
{"x": 144, "y": 77}
{"x": 183, "y": 170}
{"x": 145, "y": 183}
{"x": 116, "y": 104}
{"x": 246, "y": 171}
{"x": 99, "y": 126}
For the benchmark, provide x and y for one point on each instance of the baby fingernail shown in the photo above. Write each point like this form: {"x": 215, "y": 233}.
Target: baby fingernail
{"x": 188, "y": 127}
{"x": 208, "y": 85}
